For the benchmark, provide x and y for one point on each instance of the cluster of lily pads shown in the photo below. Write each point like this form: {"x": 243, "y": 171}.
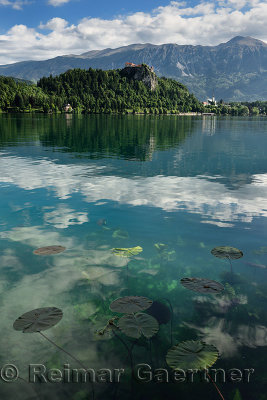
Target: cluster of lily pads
{"x": 136, "y": 323}
{"x": 186, "y": 355}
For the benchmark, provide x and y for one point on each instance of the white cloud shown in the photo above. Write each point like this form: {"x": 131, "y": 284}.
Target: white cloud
{"x": 16, "y": 5}
{"x": 206, "y": 23}
{"x": 57, "y": 3}
{"x": 55, "y": 24}
{"x": 220, "y": 333}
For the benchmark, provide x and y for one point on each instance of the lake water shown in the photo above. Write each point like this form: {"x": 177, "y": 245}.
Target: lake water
{"x": 94, "y": 183}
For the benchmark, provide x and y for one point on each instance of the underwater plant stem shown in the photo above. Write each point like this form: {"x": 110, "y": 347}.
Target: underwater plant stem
{"x": 216, "y": 387}
{"x": 70, "y": 355}
{"x": 131, "y": 359}
{"x": 150, "y": 352}
{"x": 117, "y": 383}
{"x": 127, "y": 275}
{"x": 230, "y": 264}
{"x": 126, "y": 346}
{"x": 28, "y": 383}
{"x": 170, "y": 305}
{"x": 60, "y": 348}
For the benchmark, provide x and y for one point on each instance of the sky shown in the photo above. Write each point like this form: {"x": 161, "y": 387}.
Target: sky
{"x": 43, "y": 29}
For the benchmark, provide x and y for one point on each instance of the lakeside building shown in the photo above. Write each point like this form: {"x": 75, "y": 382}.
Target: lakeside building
{"x": 132, "y": 65}
{"x": 67, "y": 108}
{"x": 210, "y": 102}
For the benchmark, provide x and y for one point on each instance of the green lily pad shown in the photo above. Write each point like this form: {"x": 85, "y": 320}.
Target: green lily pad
{"x": 49, "y": 250}
{"x": 202, "y": 285}
{"x": 227, "y": 252}
{"x": 136, "y": 325}
{"x": 130, "y": 304}
{"x": 38, "y": 320}
{"x": 192, "y": 354}
{"x": 127, "y": 252}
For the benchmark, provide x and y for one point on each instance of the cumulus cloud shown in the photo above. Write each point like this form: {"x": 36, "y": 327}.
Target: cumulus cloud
{"x": 206, "y": 23}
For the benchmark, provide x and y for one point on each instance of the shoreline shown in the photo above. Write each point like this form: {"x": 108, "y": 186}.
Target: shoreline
{"x": 102, "y": 113}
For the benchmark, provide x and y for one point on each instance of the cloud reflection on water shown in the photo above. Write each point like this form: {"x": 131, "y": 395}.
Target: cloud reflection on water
{"x": 228, "y": 337}
{"x": 201, "y": 194}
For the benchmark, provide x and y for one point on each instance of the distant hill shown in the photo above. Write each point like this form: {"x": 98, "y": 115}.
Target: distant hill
{"x": 133, "y": 89}
{"x": 18, "y": 80}
{"x": 236, "y": 70}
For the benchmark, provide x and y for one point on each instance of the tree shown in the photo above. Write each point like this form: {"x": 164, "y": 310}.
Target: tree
{"x": 18, "y": 101}
{"x": 255, "y": 111}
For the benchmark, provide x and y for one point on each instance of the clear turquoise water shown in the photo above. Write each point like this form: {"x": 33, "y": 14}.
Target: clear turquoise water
{"x": 93, "y": 183}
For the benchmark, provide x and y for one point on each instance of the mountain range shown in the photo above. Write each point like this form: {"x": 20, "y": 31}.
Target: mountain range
{"x": 233, "y": 71}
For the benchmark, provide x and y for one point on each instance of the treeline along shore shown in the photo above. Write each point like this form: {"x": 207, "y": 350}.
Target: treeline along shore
{"x": 126, "y": 91}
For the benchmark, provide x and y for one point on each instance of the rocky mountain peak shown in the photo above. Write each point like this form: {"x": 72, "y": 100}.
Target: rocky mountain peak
{"x": 245, "y": 41}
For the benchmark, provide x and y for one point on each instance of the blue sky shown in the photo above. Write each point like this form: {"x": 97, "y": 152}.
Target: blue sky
{"x": 42, "y": 29}
{"x": 39, "y": 10}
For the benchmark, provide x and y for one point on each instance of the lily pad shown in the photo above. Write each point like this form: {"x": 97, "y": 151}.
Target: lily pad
{"x": 130, "y": 304}
{"x": 192, "y": 354}
{"x": 38, "y": 320}
{"x": 127, "y": 252}
{"x": 49, "y": 250}
{"x": 227, "y": 252}
{"x": 202, "y": 285}
{"x": 136, "y": 325}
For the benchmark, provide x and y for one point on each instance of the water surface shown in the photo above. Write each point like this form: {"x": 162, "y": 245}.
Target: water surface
{"x": 94, "y": 183}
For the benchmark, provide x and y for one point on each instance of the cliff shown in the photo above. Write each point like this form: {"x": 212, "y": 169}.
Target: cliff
{"x": 142, "y": 73}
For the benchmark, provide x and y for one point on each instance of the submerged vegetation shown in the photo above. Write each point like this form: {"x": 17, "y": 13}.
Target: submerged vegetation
{"x": 143, "y": 319}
